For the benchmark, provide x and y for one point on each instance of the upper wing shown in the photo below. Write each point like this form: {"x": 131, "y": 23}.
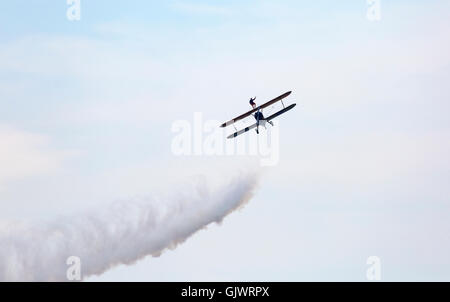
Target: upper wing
{"x": 277, "y": 99}
{"x": 240, "y": 117}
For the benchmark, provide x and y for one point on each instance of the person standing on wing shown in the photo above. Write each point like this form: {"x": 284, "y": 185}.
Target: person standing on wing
{"x": 258, "y": 115}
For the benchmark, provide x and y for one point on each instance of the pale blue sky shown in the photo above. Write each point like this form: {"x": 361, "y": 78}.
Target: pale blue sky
{"x": 364, "y": 167}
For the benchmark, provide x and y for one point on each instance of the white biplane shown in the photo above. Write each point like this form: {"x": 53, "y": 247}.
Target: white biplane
{"x": 260, "y": 119}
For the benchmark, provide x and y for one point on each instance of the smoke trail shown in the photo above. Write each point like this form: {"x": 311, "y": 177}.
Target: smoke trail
{"x": 121, "y": 234}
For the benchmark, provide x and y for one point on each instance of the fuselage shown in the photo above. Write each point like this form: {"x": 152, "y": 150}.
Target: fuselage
{"x": 258, "y": 115}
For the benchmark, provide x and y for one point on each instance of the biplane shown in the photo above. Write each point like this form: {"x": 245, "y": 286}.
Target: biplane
{"x": 257, "y": 111}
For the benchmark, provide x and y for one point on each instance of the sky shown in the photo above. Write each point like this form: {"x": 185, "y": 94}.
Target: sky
{"x": 87, "y": 109}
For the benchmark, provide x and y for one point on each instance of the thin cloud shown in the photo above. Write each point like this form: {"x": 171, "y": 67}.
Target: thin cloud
{"x": 24, "y": 154}
{"x": 201, "y": 9}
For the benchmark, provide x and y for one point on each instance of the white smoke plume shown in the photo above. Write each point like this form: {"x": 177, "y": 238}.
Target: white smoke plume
{"x": 121, "y": 234}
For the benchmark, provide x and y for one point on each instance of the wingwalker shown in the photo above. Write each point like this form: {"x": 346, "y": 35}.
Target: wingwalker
{"x": 257, "y": 111}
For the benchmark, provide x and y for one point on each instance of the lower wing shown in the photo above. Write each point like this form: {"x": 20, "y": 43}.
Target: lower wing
{"x": 242, "y": 131}
{"x": 280, "y": 112}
